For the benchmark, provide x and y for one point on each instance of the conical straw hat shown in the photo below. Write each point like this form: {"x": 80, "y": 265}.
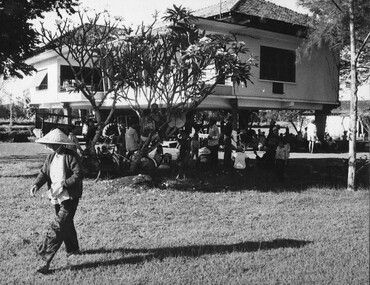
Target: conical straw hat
{"x": 55, "y": 137}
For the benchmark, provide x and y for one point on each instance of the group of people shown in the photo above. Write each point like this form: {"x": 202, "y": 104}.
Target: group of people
{"x": 276, "y": 150}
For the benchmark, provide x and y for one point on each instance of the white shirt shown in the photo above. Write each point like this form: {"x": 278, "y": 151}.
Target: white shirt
{"x": 57, "y": 193}
{"x": 239, "y": 162}
{"x": 131, "y": 139}
{"x": 311, "y": 132}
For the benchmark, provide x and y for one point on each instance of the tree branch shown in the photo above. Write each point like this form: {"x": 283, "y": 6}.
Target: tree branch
{"x": 362, "y": 47}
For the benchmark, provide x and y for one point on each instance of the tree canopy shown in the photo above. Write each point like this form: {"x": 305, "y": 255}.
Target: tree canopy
{"x": 345, "y": 26}
{"x": 18, "y": 37}
{"x": 330, "y": 24}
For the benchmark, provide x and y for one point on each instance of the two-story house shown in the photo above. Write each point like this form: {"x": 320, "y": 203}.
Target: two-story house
{"x": 271, "y": 32}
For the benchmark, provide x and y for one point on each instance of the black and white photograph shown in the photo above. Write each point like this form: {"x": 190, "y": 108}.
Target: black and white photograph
{"x": 185, "y": 142}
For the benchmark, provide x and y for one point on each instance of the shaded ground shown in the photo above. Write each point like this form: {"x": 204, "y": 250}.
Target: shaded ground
{"x": 303, "y": 171}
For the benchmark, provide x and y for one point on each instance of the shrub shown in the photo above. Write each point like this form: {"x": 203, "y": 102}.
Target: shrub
{"x": 15, "y": 135}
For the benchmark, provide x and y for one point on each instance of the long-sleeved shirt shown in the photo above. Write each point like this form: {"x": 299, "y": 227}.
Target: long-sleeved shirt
{"x": 72, "y": 169}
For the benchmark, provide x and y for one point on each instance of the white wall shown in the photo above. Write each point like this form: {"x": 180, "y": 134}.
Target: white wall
{"x": 317, "y": 80}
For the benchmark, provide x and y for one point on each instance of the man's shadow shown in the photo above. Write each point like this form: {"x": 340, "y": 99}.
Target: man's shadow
{"x": 144, "y": 254}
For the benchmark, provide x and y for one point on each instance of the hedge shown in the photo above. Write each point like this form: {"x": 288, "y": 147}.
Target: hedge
{"x": 19, "y": 134}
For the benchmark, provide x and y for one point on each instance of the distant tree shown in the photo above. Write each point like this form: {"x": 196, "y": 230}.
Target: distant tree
{"x": 7, "y": 94}
{"x": 365, "y": 119}
{"x": 18, "y": 37}
{"x": 345, "y": 26}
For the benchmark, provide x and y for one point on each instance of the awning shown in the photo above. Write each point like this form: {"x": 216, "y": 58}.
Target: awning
{"x": 39, "y": 77}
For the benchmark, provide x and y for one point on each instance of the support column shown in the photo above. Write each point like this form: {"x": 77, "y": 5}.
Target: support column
{"x": 320, "y": 122}
{"x": 67, "y": 111}
{"x": 235, "y": 120}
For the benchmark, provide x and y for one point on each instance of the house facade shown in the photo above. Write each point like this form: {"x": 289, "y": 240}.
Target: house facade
{"x": 271, "y": 33}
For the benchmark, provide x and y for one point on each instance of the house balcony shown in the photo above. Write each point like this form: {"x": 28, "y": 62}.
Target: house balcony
{"x": 70, "y": 96}
{"x": 223, "y": 90}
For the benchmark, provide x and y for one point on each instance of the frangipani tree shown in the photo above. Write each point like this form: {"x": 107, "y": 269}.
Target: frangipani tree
{"x": 175, "y": 66}
{"x": 81, "y": 45}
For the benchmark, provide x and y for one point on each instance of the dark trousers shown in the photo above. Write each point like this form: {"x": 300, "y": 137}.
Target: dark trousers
{"x": 61, "y": 230}
{"x": 280, "y": 169}
{"x": 213, "y": 156}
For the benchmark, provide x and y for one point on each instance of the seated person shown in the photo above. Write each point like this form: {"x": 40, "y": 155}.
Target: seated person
{"x": 203, "y": 155}
{"x": 147, "y": 127}
{"x": 268, "y": 158}
{"x": 240, "y": 159}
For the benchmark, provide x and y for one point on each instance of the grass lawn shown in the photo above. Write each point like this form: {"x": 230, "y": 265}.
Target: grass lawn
{"x": 213, "y": 228}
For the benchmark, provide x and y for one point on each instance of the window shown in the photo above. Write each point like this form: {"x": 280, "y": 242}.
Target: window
{"x": 277, "y": 64}
{"x": 91, "y": 78}
{"x": 277, "y": 88}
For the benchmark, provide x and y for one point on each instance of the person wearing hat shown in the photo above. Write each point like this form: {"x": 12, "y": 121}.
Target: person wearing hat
{"x": 62, "y": 172}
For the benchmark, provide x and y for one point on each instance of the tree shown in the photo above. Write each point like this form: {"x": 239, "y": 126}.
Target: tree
{"x": 344, "y": 25}
{"x": 167, "y": 66}
{"x": 148, "y": 65}
{"x": 18, "y": 38}
{"x": 4, "y": 92}
{"x": 85, "y": 49}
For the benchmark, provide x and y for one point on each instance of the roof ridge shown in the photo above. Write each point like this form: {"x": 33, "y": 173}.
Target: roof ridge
{"x": 286, "y": 8}
{"x": 217, "y": 4}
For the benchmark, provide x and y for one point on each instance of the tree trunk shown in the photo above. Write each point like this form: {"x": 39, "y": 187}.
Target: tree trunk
{"x": 97, "y": 133}
{"x": 353, "y": 106}
{"x": 11, "y": 113}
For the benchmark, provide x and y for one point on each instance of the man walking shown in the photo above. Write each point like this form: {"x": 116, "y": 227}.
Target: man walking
{"x": 62, "y": 173}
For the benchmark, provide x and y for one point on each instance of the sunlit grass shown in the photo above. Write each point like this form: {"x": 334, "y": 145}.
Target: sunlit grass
{"x": 188, "y": 234}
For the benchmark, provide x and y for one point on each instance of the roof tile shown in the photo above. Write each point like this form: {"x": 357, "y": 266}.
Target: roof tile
{"x": 259, "y": 8}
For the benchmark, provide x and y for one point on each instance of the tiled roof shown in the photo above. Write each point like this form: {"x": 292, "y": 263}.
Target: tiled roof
{"x": 214, "y": 10}
{"x": 258, "y": 8}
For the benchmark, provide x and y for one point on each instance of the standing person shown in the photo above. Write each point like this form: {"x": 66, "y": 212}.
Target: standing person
{"x": 63, "y": 174}
{"x": 281, "y": 159}
{"x": 311, "y": 135}
{"x": 147, "y": 127}
{"x": 213, "y": 141}
{"x": 72, "y": 136}
{"x": 91, "y": 131}
{"x": 228, "y": 146}
{"x": 184, "y": 155}
{"x": 131, "y": 139}
{"x": 195, "y": 145}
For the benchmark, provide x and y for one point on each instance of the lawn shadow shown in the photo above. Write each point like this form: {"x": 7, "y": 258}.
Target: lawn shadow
{"x": 301, "y": 174}
{"x": 144, "y": 254}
